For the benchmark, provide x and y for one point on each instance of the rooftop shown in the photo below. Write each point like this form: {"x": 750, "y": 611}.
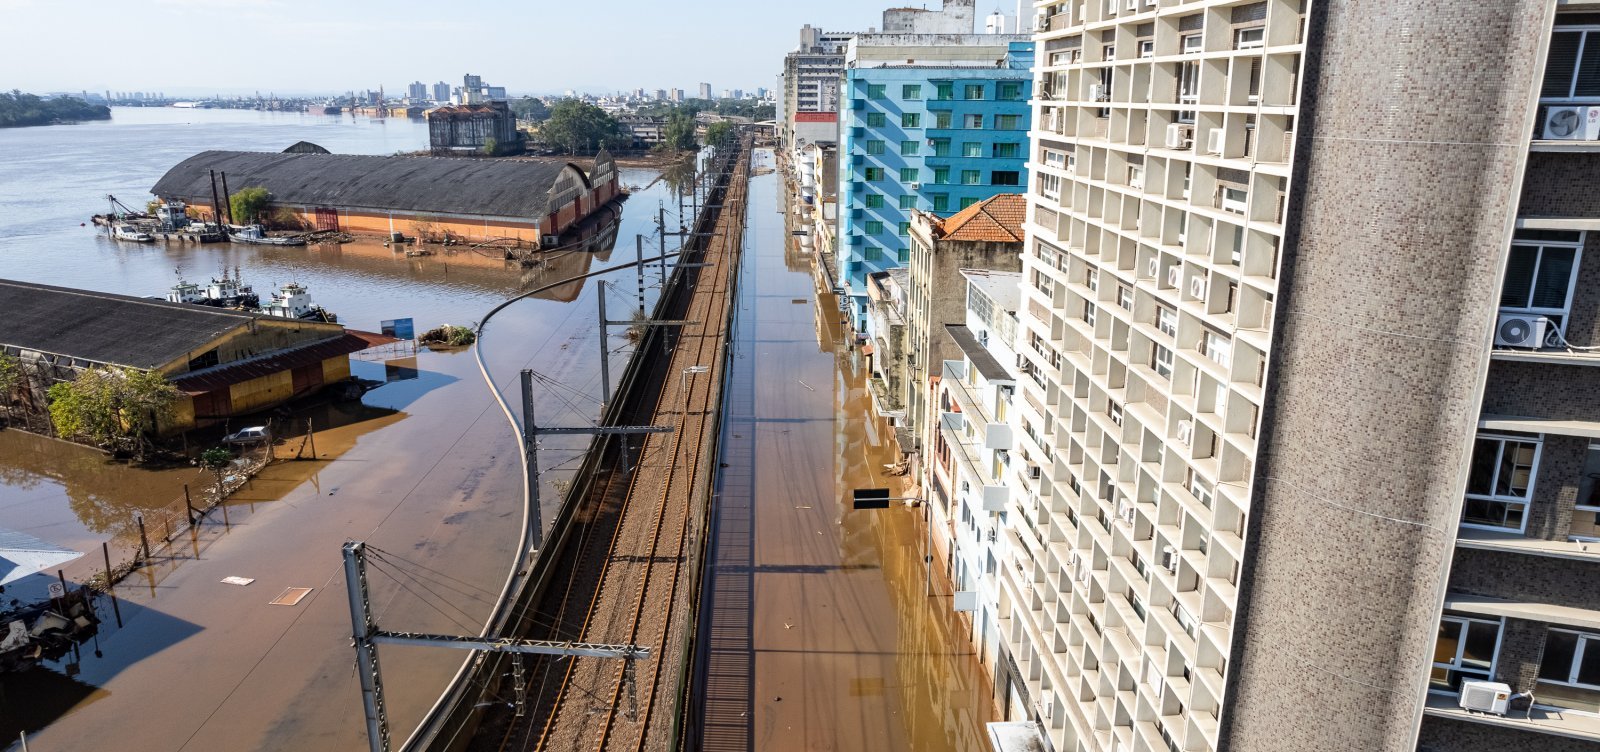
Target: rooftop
{"x": 977, "y": 354}
{"x": 1004, "y": 289}
{"x": 107, "y": 328}
{"x": 444, "y": 185}
{"x": 994, "y": 220}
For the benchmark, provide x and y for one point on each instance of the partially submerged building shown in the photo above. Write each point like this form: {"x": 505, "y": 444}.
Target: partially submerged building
{"x": 490, "y": 127}
{"x": 226, "y": 363}
{"x": 531, "y": 201}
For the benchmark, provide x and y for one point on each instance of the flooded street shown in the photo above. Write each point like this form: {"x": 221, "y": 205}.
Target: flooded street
{"x": 424, "y": 467}
{"x": 820, "y": 633}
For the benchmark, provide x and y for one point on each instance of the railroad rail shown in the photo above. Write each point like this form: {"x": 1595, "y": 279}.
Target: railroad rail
{"x": 624, "y": 562}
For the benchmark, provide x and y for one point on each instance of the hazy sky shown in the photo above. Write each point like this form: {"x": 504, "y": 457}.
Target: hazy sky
{"x": 190, "y": 47}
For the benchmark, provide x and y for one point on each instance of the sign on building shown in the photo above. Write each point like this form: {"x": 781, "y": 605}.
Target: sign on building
{"x": 399, "y": 328}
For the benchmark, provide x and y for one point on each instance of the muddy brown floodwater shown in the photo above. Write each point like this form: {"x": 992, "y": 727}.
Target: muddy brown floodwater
{"x": 819, "y": 631}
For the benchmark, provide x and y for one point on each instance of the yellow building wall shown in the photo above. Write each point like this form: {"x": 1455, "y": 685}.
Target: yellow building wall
{"x": 261, "y": 393}
{"x": 179, "y": 420}
{"x": 335, "y": 369}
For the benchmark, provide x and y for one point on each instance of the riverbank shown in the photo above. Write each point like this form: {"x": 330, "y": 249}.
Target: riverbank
{"x": 26, "y": 110}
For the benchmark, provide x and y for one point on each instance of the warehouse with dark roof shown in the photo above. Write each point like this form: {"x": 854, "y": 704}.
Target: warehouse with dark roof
{"x": 225, "y": 362}
{"x": 531, "y": 201}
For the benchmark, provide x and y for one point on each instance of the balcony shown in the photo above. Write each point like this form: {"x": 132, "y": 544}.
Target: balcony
{"x": 1534, "y": 719}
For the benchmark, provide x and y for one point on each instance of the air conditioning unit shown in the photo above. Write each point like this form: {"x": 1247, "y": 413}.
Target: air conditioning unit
{"x": 1197, "y": 287}
{"x": 1022, "y": 361}
{"x": 1572, "y": 124}
{"x": 549, "y": 241}
{"x": 1097, "y": 92}
{"x": 915, "y": 186}
{"x": 1185, "y": 432}
{"x": 1125, "y": 512}
{"x": 1521, "y": 330}
{"x": 1169, "y": 559}
{"x": 992, "y": 535}
{"x": 1180, "y": 136}
{"x": 1174, "y": 276}
{"x": 1154, "y": 265}
{"x": 1214, "y": 141}
{"x": 1034, "y": 472}
{"x": 1485, "y": 697}
{"x": 1074, "y": 560}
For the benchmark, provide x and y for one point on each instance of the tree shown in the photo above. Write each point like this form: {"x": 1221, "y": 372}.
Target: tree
{"x": 18, "y": 109}
{"x": 490, "y": 146}
{"x": 716, "y": 132}
{"x": 112, "y": 408}
{"x": 217, "y": 460}
{"x": 679, "y": 133}
{"x": 10, "y": 374}
{"x": 531, "y": 109}
{"x": 580, "y": 126}
{"x": 248, "y": 203}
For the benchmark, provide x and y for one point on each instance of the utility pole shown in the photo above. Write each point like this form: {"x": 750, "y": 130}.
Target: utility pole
{"x": 640, "y": 248}
{"x": 367, "y": 637}
{"x": 605, "y": 352}
{"x": 661, "y": 226}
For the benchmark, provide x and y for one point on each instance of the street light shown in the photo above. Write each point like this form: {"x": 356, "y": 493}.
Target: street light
{"x": 879, "y": 498}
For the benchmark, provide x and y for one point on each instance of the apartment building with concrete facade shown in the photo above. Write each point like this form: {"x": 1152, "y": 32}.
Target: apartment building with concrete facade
{"x": 1307, "y": 379}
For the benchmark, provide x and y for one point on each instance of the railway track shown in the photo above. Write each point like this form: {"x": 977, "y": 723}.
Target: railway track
{"x": 628, "y": 578}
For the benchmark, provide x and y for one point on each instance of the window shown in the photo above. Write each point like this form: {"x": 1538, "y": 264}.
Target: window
{"x": 944, "y": 92}
{"x": 1007, "y": 122}
{"x": 1250, "y": 39}
{"x": 941, "y": 119}
{"x": 1161, "y": 361}
{"x": 969, "y": 201}
{"x": 873, "y": 174}
{"x": 1007, "y": 151}
{"x": 1573, "y": 69}
{"x": 905, "y": 232}
{"x": 1050, "y": 186}
{"x": 874, "y": 253}
{"x": 876, "y": 91}
{"x": 1218, "y": 348}
{"x": 876, "y": 120}
{"x": 1569, "y": 673}
{"x": 1199, "y": 489}
{"x": 1136, "y": 177}
{"x": 874, "y": 227}
{"x": 1125, "y": 297}
{"x": 908, "y": 202}
{"x": 910, "y": 175}
{"x": 972, "y": 122}
{"x": 971, "y": 177}
{"x": 1465, "y": 650}
{"x": 1500, "y": 482}
{"x": 875, "y": 201}
{"x": 875, "y": 147}
{"x": 1056, "y": 159}
{"x": 1167, "y": 320}
{"x": 1189, "y": 79}
{"x": 911, "y": 91}
{"x": 1005, "y": 177}
{"x": 1234, "y": 200}
{"x": 1088, "y": 313}
{"x": 941, "y": 174}
{"x": 941, "y": 201}
{"x": 972, "y": 91}
{"x": 1542, "y": 272}
{"x": 941, "y": 147}
{"x": 971, "y": 149}
{"x": 1008, "y": 90}
{"x": 910, "y": 148}
{"x": 1147, "y": 48}
{"x": 903, "y": 255}
{"x": 1108, "y": 52}
{"x": 910, "y": 120}
{"x": 1091, "y": 280}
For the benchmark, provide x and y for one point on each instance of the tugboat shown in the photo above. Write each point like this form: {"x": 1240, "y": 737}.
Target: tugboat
{"x": 293, "y": 302}
{"x": 186, "y": 292}
{"x": 230, "y": 293}
{"x": 257, "y": 235}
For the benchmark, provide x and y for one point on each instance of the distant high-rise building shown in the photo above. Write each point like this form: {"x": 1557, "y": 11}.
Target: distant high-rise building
{"x": 738, "y": 93}
{"x": 638, "y": 93}
{"x": 441, "y": 92}
{"x": 727, "y": 93}
{"x": 417, "y": 91}
{"x": 471, "y": 82}
{"x": 677, "y": 95}
{"x": 705, "y": 91}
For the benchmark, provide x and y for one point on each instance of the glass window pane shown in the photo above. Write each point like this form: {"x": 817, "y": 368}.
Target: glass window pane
{"x": 1559, "y": 650}
{"x": 1589, "y": 669}
{"x": 1519, "y": 276}
{"x": 1444, "y": 651}
{"x": 1481, "y": 638}
{"x": 1555, "y": 273}
{"x": 1561, "y": 63}
{"x": 1485, "y": 453}
{"x": 1589, "y": 68}
{"x": 1516, "y": 469}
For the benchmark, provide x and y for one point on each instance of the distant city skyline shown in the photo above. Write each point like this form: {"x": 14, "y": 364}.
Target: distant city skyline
{"x": 318, "y": 49}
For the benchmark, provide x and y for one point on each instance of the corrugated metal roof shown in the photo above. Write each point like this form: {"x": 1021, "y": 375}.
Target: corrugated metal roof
{"x": 978, "y": 354}
{"x": 107, "y": 328}
{"x": 240, "y": 371}
{"x": 22, "y": 554}
{"x": 433, "y": 185}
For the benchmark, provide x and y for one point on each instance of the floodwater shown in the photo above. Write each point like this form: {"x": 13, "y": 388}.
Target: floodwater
{"x": 821, "y": 635}
{"x": 424, "y": 467}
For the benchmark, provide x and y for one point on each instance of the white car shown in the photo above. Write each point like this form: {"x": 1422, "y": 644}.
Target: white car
{"x": 251, "y": 435}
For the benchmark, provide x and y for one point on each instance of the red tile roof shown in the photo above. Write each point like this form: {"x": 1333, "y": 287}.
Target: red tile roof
{"x": 996, "y": 220}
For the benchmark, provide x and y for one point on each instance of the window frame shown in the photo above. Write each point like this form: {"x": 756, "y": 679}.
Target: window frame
{"x": 1584, "y": 638}
{"x": 910, "y": 148}
{"x": 1466, "y": 621}
{"x": 967, "y": 89}
{"x": 1241, "y": 43}
{"x": 1533, "y": 481}
{"x": 1588, "y": 34}
{"x": 1163, "y": 313}
{"x": 1561, "y": 315}
{"x": 911, "y": 92}
{"x": 1162, "y": 365}
{"x": 910, "y": 120}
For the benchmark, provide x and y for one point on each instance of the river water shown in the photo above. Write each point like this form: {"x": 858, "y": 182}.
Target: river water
{"x": 423, "y": 467}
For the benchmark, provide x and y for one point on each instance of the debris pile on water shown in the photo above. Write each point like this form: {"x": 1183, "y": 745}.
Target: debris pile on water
{"x": 448, "y": 335}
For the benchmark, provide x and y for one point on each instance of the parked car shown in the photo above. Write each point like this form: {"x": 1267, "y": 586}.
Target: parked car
{"x": 251, "y": 435}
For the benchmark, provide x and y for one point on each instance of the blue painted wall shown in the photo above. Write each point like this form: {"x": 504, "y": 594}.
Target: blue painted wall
{"x": 951, "y": 139}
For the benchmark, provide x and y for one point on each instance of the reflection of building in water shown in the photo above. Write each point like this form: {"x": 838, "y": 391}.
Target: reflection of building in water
{"x": 554, "y": 266}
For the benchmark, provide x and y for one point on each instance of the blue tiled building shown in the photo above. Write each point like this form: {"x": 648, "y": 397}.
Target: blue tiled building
{"x": 937, "y": 134}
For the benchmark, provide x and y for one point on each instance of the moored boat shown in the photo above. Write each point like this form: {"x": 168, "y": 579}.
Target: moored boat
{"x": 292, "y": 301}
{"x": 132, "y": 233}
{"x": 257, "y": 235}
